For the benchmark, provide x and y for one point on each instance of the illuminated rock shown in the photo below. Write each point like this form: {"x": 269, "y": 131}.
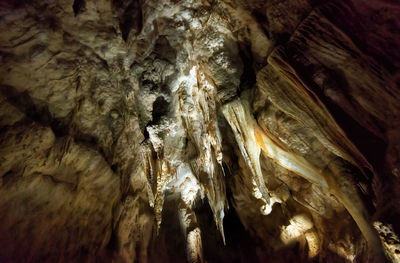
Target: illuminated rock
{"x": 199, "y": 131}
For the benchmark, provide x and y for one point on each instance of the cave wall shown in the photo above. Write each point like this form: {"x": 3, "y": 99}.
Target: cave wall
{"x": 199, "y": 131}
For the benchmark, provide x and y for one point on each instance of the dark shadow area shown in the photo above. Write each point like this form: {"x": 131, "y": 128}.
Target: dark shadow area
{"x": 346, "y": 17}
{"x": 170, "y": 243}
{"x": 160, "y": 108}
{"x": 240, "y": 246}
{"x": 131, "y": 19}
{"x": 164, "y": 50}
{"x": 370, "y": 145}
{"x": 261, "y": 18}
{"x": 248, "y": 78}
{"x": 79, "y": 6}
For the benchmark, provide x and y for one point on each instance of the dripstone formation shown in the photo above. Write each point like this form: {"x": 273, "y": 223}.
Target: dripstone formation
{"x": 199, "y": 131}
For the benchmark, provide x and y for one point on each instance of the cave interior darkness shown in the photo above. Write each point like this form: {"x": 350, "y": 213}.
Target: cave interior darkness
{"x": 200, "y": 131}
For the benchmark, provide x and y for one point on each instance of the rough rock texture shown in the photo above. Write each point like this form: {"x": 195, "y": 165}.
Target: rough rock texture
{"x": 199, "y": 131}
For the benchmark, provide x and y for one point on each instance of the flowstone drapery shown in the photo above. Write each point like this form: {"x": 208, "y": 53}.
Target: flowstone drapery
{"x": 199, "y": 131}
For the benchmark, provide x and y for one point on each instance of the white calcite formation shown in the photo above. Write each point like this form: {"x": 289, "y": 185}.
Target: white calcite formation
{"x": 199, "y": 131}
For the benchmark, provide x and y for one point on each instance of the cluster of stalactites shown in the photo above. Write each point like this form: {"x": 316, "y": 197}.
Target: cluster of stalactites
{"x": 190, "y": 153}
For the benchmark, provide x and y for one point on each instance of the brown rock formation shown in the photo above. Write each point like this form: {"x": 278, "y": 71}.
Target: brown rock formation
{"x": 199, "y": 131}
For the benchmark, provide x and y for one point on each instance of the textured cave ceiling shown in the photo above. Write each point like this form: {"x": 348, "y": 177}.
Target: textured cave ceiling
{"x": 199, "y": 131}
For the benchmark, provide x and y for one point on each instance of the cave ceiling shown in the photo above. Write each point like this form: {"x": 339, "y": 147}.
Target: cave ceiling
{"x": 199, "y": 131}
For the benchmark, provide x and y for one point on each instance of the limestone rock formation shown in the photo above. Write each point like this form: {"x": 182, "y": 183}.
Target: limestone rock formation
{"x": 199, "y": 131}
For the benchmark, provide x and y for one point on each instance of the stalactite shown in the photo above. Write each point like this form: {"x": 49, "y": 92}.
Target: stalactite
{"x": 334, "y": 181}
{"x": 199, "y": 131}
